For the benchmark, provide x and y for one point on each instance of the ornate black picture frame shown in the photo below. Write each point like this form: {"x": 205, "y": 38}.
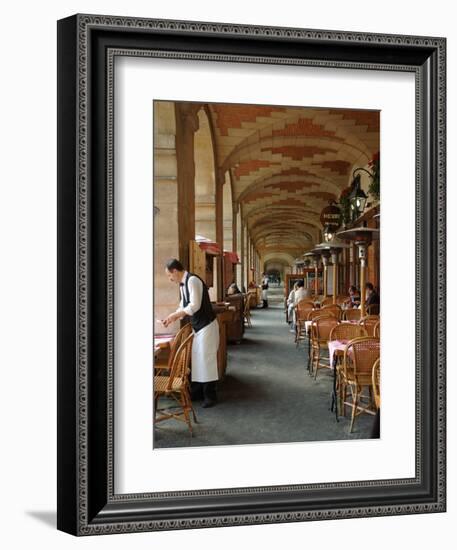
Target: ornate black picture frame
{"x": 87, "y": 46}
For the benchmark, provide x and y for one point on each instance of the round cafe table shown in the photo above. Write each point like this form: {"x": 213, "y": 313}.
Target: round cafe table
{"x": 335, "y": 350}
{"x": 162, "y": 342}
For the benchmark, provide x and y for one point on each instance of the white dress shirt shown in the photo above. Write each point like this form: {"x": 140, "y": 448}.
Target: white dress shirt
{"x": 195, "y": 294}
{"x": 300, "y": 294}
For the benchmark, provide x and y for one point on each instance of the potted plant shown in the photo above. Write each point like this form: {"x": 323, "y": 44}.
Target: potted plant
{"x": 374, "y": 166}
{"x": 345, "y": 205}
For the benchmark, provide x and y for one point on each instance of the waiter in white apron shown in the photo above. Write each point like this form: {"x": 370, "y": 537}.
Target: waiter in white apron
{"x": 195, "y": 304}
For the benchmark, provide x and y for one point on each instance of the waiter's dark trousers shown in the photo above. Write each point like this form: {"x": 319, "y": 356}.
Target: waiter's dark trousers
{"x": 203, "y": 390}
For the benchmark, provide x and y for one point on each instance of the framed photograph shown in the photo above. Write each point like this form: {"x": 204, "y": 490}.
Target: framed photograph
{"x": 225, "y": 237}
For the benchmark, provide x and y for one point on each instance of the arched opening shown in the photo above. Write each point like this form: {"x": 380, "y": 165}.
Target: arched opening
{"x": 255, "y": 180}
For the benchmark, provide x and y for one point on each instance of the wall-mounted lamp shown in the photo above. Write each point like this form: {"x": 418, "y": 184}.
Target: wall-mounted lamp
{"x": 357, "y": 197}
{"x": 329, "y": 233}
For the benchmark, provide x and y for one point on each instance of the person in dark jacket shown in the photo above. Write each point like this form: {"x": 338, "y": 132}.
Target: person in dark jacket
{"x": 372, "y": 298}
{"x": 195, "y": 304}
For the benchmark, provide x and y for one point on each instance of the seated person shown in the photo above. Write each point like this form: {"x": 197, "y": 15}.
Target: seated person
{"x": 291, "y": 303}
{"x": 372, "y": 298}
{"x": 252, "y": 285}
{"x": 354, "y": 298}
{"x": 301, "y": 293}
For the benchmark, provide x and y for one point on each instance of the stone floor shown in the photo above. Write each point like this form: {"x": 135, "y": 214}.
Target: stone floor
{"x": 267, "y": 395}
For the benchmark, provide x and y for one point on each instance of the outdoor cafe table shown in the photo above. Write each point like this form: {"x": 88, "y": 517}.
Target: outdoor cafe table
{"x": 307, "y": 331}
{"x": 335, "y": 349}
{"x": 161, "y": 342}
{"x": 308, "y": 324}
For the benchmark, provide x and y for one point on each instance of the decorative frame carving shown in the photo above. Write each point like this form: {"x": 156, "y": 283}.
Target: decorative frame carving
{"x": 88, "y": 45}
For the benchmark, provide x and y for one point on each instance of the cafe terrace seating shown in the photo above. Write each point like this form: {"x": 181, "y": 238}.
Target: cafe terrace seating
{"x": 372, "y": 309}
{"x": 340, "y": 336}
{"x": 302, "y": 310}
{"x": 377, "y": 329}
{"x": 341, "y": 298}
{"x": 351, "y": 314}
{"x": 369, "y": 322}
{"x": 376, "y": 383}
{"x": 321, "y": 328}
{"x": 359, "y": 357}
{"x": 335, "y": 310}
{"x": 344, "y": 332}
{"x": 247, "y": 310}
{"x": 327, "y": 302}
{"x": 163, "y": 365}
{"x": 175, "y": 385}
{"x": 301, "y": 331}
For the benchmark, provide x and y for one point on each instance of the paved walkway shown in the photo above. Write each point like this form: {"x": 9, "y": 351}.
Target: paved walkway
{"x": 267, "y": 395}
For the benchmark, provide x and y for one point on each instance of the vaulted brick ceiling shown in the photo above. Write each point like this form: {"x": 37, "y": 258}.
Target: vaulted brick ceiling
{"x": 286, "y": 163}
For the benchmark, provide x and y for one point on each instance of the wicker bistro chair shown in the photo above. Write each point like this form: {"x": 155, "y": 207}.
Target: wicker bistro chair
{"x": 341, "y": 298}
{"x": 312, "y": 315}
{"x": 352, "y": 314}
{"x": 376, "y": 382}
{"x": 359, "y": 356}
{"x": 176, "y": 386}
{"x": 321, "y": 327}
{"x": 327, "y": 302}
{"x": 305, "y": 305}
{"x": 164, "y": 365}
{"x": 247, "y": 310}
{"x": 302, "y": 310}
{"x": 377, "y": 329}
{"x": 369, "y": 322}
{"x": 306, "y": 334}
{"x": 344, "y": 332}
{"x": 372, "y": 309}
{"x": 251, "y": 298}
{"x": 335, "y": 308}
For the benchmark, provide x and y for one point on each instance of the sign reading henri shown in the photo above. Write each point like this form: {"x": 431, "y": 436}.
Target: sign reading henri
{"x": 331, "y": 216}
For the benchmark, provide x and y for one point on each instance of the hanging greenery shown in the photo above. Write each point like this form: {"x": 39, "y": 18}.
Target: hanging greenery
{"x": 374, "y": 187}
{"x": 345, "y": 204}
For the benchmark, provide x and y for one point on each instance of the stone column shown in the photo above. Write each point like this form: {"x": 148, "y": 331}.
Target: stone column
{"x": 248, "y": 258}
{"x": 166, "y": 238}
{"x": 220, "y": 232}
{"x": 186, "y": 126}
{"x": 234, "y": 228}
{"x": 243, "y": 257}
{"x": 335, "y": 274}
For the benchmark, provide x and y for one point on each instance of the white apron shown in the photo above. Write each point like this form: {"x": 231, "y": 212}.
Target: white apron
{"x": 204, "y": 353}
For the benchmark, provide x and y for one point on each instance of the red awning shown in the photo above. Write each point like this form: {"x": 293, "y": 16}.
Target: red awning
{"x": 232, "y": 257}
{"x": 208, "y": 246}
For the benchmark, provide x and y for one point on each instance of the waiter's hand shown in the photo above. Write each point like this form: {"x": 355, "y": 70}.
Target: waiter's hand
{"x": 170, "y": 319}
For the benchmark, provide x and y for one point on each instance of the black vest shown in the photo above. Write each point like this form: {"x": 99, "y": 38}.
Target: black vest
{"x": 205, "y": 315}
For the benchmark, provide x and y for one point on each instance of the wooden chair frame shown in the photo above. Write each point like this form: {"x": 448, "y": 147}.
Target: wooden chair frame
{"x": 377, "y": 329}
{"x": 352, "y": 312}
{"x": 376, "y": 382}
{"x": 181, "y": 335}
{"x": 247, "y": 311}
{"x": 356, "y": 379}
{"x": 369, "y": 322}
{"x": 176, "y": 386}
{"x": 318, "y": 342}
{"x": 302, "y": 310}
{"x": 335, "y": 308}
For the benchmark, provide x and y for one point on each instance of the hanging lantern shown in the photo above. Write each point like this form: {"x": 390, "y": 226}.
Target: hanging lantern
{"x": 357, "y": 198}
